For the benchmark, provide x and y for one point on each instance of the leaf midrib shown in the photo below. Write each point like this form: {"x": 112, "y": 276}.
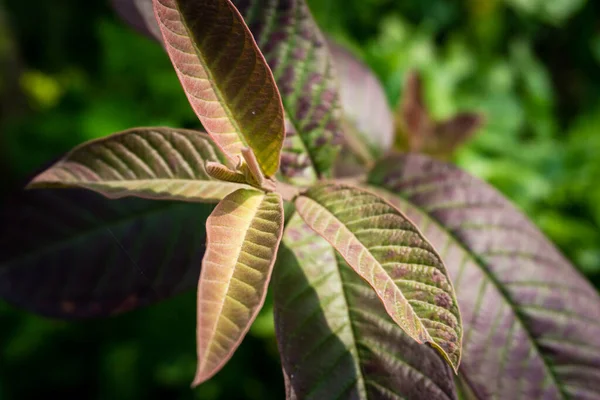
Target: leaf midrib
{"x": 356, "y": 355}
{"x": 423, "y": 329}
{"x": 224, "y": 105}
{"x": 159, "y": 180}
{"x": 489, "y": 275}
{"x": 239, "y": 252}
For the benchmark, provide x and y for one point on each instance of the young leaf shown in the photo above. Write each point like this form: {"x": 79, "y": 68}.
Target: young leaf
{"x": 364, "y": 103}
{"x": 414, "y": 120}
{"x": 453, "y": 132}
{"x": 390, "y": 253}
{"x": 75, "y": 254}
{"x": 224, "y": 76}
{"x": 155, "y": 163}
{"x": 531, "y": 320}
{"x": 305, "y": 78}
{"x": 298, "y": 55}
{"x": 335, "y": 338}
{"x": 244, "y": 232}
{"x": 417, "y": 132}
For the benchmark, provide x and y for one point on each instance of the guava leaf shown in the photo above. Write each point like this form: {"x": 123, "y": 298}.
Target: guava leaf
{"x": 364, "y": 104}
{"x": 390, "y": 253}
{"x": 225, "y": 77}
{"x": 450, "y": 134}
{"x": 335, "y": 338}
{"x": 140, "y": 15}
{"x": 297, "y": 52}
{"x": 531, "y": 321}
{"x": 303, "y": 74}
{"x": 75, "y": 254}
{"x": 418, "y": 132}
{"x": 243, "y": 232}
{"x": 155, "y": 163}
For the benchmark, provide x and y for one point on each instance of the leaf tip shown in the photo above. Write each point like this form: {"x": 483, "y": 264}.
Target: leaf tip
{"x": 198, "y": 379}
{"x": 44, "y": 180}
{"x": 454, "y": 363}
{"x": 203, "y": 373}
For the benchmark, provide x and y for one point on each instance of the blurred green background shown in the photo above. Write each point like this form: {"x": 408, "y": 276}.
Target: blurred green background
{"x": 70, "y": 71}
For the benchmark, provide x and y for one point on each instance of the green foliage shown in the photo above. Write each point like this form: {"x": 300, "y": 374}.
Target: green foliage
{"x": 520, "y": 150}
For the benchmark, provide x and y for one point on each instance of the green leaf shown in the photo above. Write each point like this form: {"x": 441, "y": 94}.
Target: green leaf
{"x": 298, "y": 55}
{"x": 335, "y": 338}
{"x": 390, "y": 253}
{"x": 75, "y": 254}
{"x": 531, "y": 325}
{"x": 244, "y": 232}
{"x": 156, "y": 163}
{"x": 225, "y": 77}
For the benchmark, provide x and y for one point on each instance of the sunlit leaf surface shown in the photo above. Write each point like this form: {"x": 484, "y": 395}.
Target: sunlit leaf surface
{"x": 298, "y": 55}
{"x": 157, "y": 163}
{"x": 335, "y": 338}
{"x": 224, "y": 76}
{"x": 244, "y": 232}
{"x": 531, "y": 321}
{"x": 390, "y": 253}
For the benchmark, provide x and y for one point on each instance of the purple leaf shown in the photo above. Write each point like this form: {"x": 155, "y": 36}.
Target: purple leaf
{"x": 418, "y": 132}
{"x": 531, "y": 321}
{"x": 363, "y": 101}
{"x": 296, "y": 51}
{"x": 335, "y": 338}
{"x": 140, "y": 15}
{"x": 75, "y": 254}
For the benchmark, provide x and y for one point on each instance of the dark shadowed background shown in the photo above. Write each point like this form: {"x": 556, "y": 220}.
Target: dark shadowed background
{"x": 70, "y": 71}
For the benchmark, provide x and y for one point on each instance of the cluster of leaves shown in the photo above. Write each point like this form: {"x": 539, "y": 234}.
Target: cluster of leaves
{"x": 339, "y": 335}
{"x": 535, "y": 83}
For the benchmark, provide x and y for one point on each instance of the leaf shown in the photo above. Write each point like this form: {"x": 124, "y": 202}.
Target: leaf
{"x": 298, "y": 55}
{"x": 390, "y": 253}
{"x": 335, "y": 338}
{"x": 140, "y": 15}
{"x": 364, "y": 103}
{"x": 307, "y": 84}
{"x": 244, "y": 232}
{"x": 452, "y": 133}
{"x": 225, "y": 77}
{"x": 531, "y": 320}
{"x": 155, "y": 163}
{"x": 75, "y": 254}
{"x": 414, "y": 116}
{"x": 418, "y": 132}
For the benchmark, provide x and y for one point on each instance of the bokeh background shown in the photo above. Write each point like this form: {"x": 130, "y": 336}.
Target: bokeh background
{"x": 70, "y": 71}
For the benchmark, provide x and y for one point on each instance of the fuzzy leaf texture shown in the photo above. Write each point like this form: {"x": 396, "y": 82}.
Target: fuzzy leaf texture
{"x": 390, "y": 253}
{"x": 75, "y": 254}
{"x": 531, "y": 321}
{"x": 335, "y": 338}
{"x": 155, "y": 163}
{"x": 244, "y": 232}
{"x": 225, "y": 77}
